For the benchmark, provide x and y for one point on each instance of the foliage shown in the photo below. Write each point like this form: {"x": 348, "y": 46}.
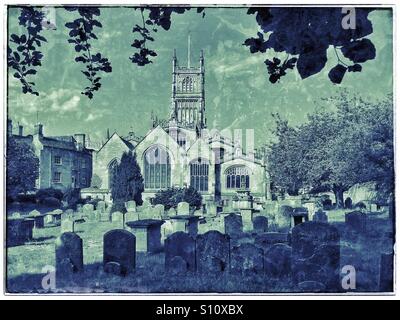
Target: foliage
{"x": 49, "y": 192}
{"x": 157, "y": 17}
{"x": 25, "y": 57}
{"x": 128, "y": 180}
{"x": 51, "y": 202}
{"x": 172, "y": 196}
{"x": 22, "y": 167}
{"x": 305, "y": 35}
{"x": 80, "y": 36}
{"x": 72, "y": 197}
{"x": 336, "y": 150}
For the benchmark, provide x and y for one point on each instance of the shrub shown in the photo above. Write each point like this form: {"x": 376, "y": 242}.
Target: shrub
{"x": 26, "y": 198}
{"x": 72, "y": 197}
{"x": 49, "y": 192}
{"x": 360, "y": 205}
{"x": 51, "y": 202}
{"x": 172, "y": 196}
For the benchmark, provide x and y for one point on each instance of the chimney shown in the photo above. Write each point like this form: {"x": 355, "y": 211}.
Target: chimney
{"x": 20, "y": 130}
{"x": 9, "y": 127}
{"x": 38, "y": 129}
{"x": 81, "y": 140}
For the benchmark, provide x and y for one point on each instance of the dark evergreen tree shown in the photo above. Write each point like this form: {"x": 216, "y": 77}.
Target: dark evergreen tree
{"x": 128, "y": 182}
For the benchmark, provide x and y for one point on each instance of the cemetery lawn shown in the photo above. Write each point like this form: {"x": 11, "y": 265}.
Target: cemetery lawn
{"x": 27, "y": 264}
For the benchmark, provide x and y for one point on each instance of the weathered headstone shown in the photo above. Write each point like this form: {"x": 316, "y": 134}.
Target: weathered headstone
{"x": 87, "y": 208}
{"x": 105, "y": 216}
{"x": 316, "y": 254}
{"x": 356, "y": 220}
{"x": 212, "y": 252}
{"x": 69, "y": 256}
{"x": 38, "y": 218}
{"x": 19, "y": 231}
{"x": 181, "y": 245}
{"x": 158, "y": 211}
{"x": 132, "y": 216}
{"x": 386, "y": 277}
{"x": 101, "y": 206}
{"x": 233, "y": 225}
{"x": 185, "y": 223}
{"x": 247, "y": 219}
{"x": 247, "y": 258}
{"x": 171, "y": 212}
{"x": 117, "y": 216}
{"x": 67, "y": 225}
{"x": 260, "y": 224}
{"x": 119, "y": 247}
{"x": 183, "y": 208}
{"x": 278, "y": 260}
{"x": 147, "y": 233}
{"x": 268, "y": 239}
{"x": 130, "y": 206}
{"x": 211, "y": 208}
{"x": 283, "y": 218}
{"x": 320, "y": 216}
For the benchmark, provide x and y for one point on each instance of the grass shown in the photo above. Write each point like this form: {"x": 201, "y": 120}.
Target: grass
{"x": 25, "y": 264}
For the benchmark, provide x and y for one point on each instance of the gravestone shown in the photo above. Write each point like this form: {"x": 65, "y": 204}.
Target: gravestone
{"x": 212, "y": 252}
{"x": 211, "y": 208}
{"x": 34, "y": 213}
{"x": 19, "y": 231}
{"x": 68, "y": 213}
{"x": 356, "y": 220}
{"x": 386, "y": 277}
{"x": 67, "y": 225}
{"x": 146, "y": 204}
{"x": 268, "y": 239}
{"x": 69, "y": 256}
{"x": 180, "y": 244}
{"x": 185, "y": 223}
{"x": 101, "y": 206}
{"x": 299, "y": 215}
{"x": 277, "y": 260}
{"x": 283, "y": 217}
{"x": 247, "y": 258}
{"x": 158, "y": 211}
{"x": 166, "y": 230}
{"x": 87, "y": 209}
{"x": 171, "y": 212}
{"x": 320, "y": 216}
{"x": 247, "y": 219}
{"x": 119, "y": 252}
{"x": 132, "y": 216}
{"x": 233, "y": 225}
{"x": 130, "y": 206}
{"x": 38, "y": 219}
{"x": 316, "y": 254}
{"x": 117, "y": 216}
{"x": 198, "y": 213}
{"x": 105, "y": 216}
{"x": 260, "y": 224}
{"x": 79, "y": 208}
{"x": 183, "y": 208}
{"x": 147, "y": 233}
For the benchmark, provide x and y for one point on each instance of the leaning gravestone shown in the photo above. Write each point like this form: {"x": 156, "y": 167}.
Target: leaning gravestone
{"x": 183, "y": 208}
{"x": 277, "y": 260}
{"x": 320, "y": 216}
{"x": 260, "y": 224}
{"x": 233, "y": 225}
{"x": 119, "y": 252}
{"x": 69, "y": 256}
{"x": 247, "y": 258}
{"x": 180, "y": 244}
{"x": 130, "y": 206}
{"x": 212, "y": 252}
{"x": 316, "y": 254}
{"x": 356, "y": 220}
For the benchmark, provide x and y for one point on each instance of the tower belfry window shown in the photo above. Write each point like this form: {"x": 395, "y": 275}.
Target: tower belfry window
{"x": 187, "y": 84}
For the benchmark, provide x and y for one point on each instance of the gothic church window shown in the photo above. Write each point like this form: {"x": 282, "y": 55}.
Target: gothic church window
{"x": 199, "y": 175}
{"x": 187, "y": 85}
{"x": 237, "y": 177}
{"x": 157, "y": 168}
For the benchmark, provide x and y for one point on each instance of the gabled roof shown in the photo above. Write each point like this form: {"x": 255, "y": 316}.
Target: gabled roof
{"x": 126, "y": 142}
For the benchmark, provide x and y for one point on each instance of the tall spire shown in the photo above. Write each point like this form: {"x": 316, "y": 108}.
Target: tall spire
{"x": 188, "y": 53}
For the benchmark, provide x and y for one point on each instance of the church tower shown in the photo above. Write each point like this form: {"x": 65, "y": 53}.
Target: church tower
{"x": 187, "y": 103}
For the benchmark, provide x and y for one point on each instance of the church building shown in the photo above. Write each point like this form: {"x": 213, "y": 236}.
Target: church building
{"x": 181, "y": 151}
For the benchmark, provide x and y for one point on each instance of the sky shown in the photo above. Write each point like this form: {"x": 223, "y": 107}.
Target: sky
{"x": 238, "y": 92}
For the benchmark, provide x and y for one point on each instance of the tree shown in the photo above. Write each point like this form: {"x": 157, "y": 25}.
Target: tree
{"x": 128, "y": 181}
{"x": 333, "y": 151}
{"x": 22, "y": 167}
{"x": 172, "y": 196}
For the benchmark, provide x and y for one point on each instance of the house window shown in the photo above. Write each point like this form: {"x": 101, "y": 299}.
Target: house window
{"x": 157, "y": 168}
{"x": 237, "y": 177}
{"x": 57, "y": 160}
{"x": 57, "y": 177}
{"x": 199, "y": 175}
